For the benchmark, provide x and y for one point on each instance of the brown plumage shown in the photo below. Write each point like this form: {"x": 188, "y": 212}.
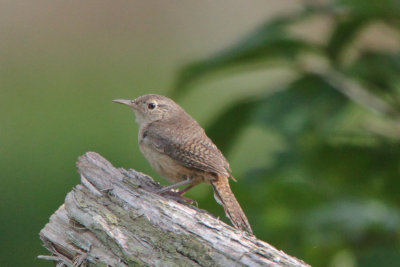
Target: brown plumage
{"x": 177, "y": 147}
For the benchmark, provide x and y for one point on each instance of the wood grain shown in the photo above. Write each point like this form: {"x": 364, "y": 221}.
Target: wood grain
{"x": 113, "y": 219}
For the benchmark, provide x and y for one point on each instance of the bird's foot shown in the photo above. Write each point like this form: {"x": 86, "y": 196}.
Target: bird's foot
{"x": 176, "y": 195}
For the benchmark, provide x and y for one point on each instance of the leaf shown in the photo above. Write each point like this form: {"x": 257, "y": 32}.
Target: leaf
{"x": 344, "y": 33}
{"x": 227, "y": 126}
{"x": 356, "y": 16}
{"x": 386, "y": 10}
{"x": 289, "y": 111}
{"x": 308, "y": 104}
{"x": 353, "y": 218}
{"x": 270, "y": 41}
{"x": 381, "y": 70}
{"x": 381, "y": 253}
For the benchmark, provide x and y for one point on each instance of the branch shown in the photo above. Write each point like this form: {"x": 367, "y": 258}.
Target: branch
{"x": 113, "y": 219}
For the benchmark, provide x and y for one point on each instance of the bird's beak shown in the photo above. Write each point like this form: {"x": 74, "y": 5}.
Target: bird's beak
{"x": 126, "y": 102}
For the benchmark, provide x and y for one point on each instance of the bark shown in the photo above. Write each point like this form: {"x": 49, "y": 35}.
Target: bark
{"x": 113, "y": 218}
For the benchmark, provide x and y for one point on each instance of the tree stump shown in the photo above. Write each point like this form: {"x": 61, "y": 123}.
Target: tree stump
{"x": 113, "y": 218}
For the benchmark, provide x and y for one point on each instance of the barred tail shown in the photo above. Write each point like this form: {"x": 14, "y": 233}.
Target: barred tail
{"x": 224, "y": 196}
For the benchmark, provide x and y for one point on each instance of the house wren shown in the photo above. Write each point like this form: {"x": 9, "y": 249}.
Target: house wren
{"x": 177, "y": 147}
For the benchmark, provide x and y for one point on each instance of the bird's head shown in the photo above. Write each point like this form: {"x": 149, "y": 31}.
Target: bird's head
{"x": 152, "y": 107}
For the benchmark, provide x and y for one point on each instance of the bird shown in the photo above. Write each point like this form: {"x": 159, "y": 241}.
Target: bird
{"x": 178, "y": 148}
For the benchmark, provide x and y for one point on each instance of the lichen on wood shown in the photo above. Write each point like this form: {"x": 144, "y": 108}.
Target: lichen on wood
{"x": 114, "y": 218}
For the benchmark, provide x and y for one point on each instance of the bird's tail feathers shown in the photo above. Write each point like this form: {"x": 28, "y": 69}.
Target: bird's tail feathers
{"x": 224, "y": 196}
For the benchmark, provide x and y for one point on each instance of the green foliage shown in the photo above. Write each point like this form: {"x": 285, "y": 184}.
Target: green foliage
{"x": 240, "y": 113}
{"x": 331, "y": 195}
{"x": 345, "y": 31}
{"x": 268, "y": 42}
{"x": 383, "y": 79}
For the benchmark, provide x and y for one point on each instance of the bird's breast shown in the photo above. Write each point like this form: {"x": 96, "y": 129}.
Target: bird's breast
{"x": 163, "y": 164}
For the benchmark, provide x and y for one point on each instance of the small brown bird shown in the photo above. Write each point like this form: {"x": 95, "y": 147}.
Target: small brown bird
{"x": 177, "y": 147}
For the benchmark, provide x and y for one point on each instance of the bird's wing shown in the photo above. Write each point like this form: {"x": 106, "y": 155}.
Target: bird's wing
{"x": 196, "y": 152}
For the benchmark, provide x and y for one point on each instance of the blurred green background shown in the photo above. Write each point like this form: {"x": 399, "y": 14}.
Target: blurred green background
{"x": 303, "y": 97}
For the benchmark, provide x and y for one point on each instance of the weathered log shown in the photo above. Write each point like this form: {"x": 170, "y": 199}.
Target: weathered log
{"x": 114, "y": 219}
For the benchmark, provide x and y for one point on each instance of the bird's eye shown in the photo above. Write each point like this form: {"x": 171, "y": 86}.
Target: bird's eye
{"x": 151, "y": 105}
